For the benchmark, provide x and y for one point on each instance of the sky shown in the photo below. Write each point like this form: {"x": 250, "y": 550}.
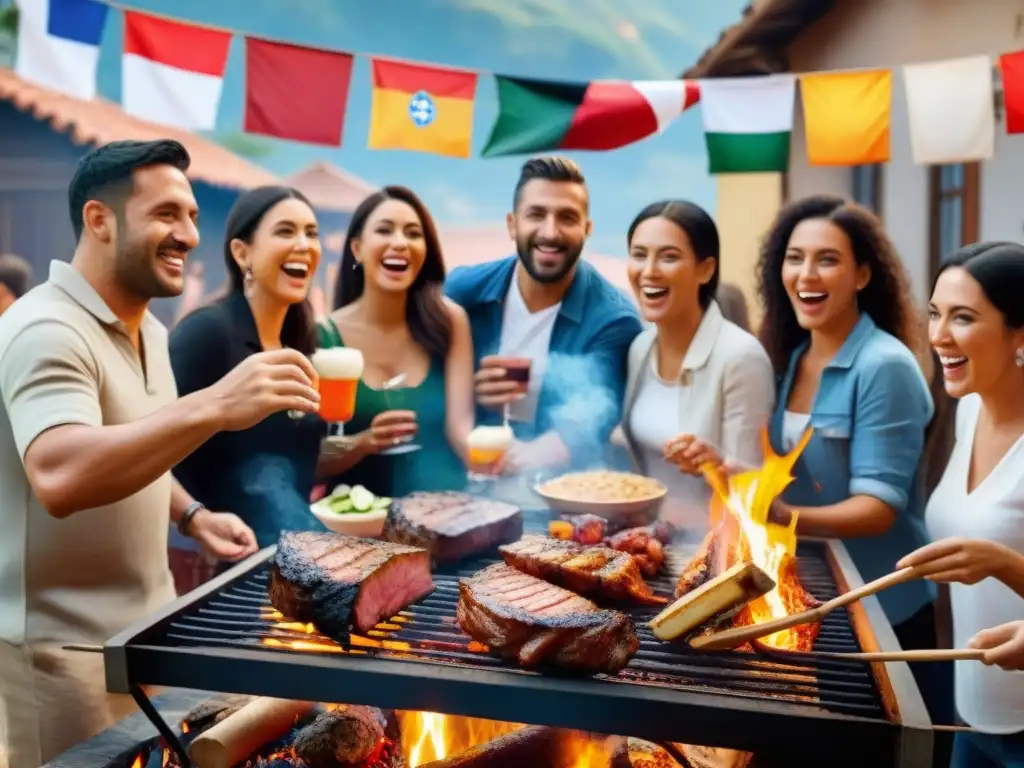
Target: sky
{"x": 555, "y": 39}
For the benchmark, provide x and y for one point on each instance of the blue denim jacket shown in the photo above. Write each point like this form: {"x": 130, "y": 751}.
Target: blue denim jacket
{"x": 869, "y": 418}
{"x": 584, "y": 383}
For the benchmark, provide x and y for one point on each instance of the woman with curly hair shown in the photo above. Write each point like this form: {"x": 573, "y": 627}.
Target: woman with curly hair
{"x": 841, "y": 331}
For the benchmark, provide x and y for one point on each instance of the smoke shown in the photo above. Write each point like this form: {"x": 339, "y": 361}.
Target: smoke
{"x": 585, "y": 409}
{"x": 271, "y": 501}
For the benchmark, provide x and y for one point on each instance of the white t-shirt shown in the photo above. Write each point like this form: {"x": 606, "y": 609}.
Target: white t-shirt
{"x": 527, "y": 334}
{"x": 987, "y": 698}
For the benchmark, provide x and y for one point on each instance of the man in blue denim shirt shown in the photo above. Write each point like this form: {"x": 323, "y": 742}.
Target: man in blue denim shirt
{"x": 550, "y": 307}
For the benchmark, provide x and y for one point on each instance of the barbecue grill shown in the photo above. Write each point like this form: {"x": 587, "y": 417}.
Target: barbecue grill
{"x": 219, "y": 637}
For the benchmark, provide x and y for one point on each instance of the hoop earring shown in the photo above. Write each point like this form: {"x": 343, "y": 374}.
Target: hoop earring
{"x": 247, "y": 284}
{"x": 1019, "y": 358}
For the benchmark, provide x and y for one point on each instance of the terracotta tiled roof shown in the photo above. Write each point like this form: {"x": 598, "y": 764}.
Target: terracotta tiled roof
{"x": 759, "y": 42}
{"x": 98, "y": 122}
{"x": 475, "y": 244}
{"x": 330, "y": 188}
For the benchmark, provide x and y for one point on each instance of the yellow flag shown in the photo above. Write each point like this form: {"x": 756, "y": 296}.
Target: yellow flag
{"x": 846, "y": 116}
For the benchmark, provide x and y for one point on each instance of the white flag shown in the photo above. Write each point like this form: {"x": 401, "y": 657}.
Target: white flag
{"x": 951, "y": 110}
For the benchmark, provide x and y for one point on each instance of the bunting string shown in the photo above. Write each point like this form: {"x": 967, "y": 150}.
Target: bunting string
{"x": 173, "y": 72}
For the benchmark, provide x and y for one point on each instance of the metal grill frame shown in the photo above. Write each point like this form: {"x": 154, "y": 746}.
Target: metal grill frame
{"x": 137, "y": 657}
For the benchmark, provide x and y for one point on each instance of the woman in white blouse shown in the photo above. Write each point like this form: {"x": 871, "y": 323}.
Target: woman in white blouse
{"x": 977, "y": 328}
{"x": 691, "y": 372}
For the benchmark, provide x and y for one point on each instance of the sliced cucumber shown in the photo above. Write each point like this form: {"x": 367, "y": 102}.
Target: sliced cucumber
{"x": 382, "y": 502}
{"x": 341, "y": 491}
{"x": 362, "y": 499}
{"x": 341, "y": 506}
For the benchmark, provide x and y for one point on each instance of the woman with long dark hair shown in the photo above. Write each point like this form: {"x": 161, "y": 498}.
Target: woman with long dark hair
{"x": 418, "y": 376}
{"x": 692, "y": 373}
{"x": 264, "y": 474}
{"x": 841, "y": 331}
{"x": 977, "y": 510}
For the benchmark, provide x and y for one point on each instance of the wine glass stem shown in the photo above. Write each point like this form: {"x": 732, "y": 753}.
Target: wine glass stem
{"x": 506, "y": 410}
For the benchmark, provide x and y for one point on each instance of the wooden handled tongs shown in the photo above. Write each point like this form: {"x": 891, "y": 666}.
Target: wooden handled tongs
{"x": 737, "y": 636}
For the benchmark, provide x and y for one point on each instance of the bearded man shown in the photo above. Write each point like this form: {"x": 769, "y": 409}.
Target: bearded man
{"x": 549, "y": 306}
{"x": 90, "y": 427}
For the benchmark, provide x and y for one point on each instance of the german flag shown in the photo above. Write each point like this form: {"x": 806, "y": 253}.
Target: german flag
{"x": 422, "y": 109}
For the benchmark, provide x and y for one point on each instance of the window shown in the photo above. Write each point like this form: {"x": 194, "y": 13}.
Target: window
{"x": 867, "y": 187}
{"x": 953, "y": 214}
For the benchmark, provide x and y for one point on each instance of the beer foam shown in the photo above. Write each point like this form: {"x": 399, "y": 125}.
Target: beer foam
{"x": 338, "y": 363}
{"x": 490, "y": 438}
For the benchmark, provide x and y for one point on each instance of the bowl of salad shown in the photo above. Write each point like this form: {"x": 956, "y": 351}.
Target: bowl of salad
{"x": 352, "y": 510}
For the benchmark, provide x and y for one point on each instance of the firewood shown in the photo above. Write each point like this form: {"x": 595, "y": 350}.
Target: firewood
{"x": 260, "y": 722}
{"x": 216, "y": 709}
{"x": 346, "y": 734}
{"x": 530, "y": 746}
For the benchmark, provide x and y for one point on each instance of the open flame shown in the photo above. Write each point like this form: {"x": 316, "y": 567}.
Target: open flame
{"x": 753, "y": 536}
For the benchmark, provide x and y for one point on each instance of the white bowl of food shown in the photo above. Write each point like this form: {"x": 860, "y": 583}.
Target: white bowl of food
{"x": 352, "y": 510}
{"x": 625, "y": 498}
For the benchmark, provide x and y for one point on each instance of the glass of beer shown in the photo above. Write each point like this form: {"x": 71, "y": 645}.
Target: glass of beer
{"x": 487, "y": 447}
{"x": 338, "y": 370}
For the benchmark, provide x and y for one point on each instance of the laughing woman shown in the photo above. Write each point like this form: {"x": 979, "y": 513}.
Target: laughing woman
{"x": 840, "y": 328}
{"x": 264, "y": 474}
{"x": 977, "y": 510}
{"x": 418, "y": 377}
{"x": 693, "y": 373}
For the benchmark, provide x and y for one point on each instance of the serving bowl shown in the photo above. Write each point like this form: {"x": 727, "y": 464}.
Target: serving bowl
{"x": 621, "y": 514}
{"x": 368, "y": 525}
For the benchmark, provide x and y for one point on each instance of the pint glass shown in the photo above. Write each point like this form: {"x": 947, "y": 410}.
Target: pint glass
{"x": 339, "y": 370}
{"x": 487, "y": 448}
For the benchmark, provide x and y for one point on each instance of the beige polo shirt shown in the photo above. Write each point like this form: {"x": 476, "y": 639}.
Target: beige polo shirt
{"x": 65, "y": 358}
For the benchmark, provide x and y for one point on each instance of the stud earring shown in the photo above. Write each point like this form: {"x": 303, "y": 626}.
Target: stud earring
{"x": 1019, "y": 358}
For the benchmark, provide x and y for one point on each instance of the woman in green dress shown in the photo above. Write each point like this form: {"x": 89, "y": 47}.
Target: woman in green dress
{"x": 417, "y": 381}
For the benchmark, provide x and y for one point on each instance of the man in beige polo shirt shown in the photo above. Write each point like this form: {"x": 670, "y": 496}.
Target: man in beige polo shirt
{"x": 90, "y": 428}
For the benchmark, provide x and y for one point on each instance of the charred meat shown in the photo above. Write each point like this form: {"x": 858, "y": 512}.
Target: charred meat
{"x": 646, "y": 544}
{"x": 542, "y": 625}
{"x": 452, "y": 526}
{"x": 338, "y": 582}
{"x": 591, "y": 571}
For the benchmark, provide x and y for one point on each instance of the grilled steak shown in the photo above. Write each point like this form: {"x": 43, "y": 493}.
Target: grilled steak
{"x": 541, "y": 625}
{"x": 591, "y": 571}
{"x": 452, "y": 526}
{"x": 336, "y": 582}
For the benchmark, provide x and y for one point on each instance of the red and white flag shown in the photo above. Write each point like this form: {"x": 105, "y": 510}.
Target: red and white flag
{"x": 173, "y": 73}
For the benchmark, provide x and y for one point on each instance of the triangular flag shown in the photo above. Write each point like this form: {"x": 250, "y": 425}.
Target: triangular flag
{"x": 846, "y": 116}
{"x": 950, "y": 110}
{"x": 539, "y": 115}
{"x": 1012, "y": 66}
{"x": 173, "y": 73}
{"x": 748, "y": 122}
{"x": 296, "y": 93}
{"x": 59, "y": 44}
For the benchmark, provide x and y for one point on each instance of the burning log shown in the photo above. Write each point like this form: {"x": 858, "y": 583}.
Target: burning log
{"x": 532, "y": 746}
{"x": 258, "y": 723}
{"x": 345, "y": 735}
{"x": 745, "y": 531}
{"x": 214, "y": 710}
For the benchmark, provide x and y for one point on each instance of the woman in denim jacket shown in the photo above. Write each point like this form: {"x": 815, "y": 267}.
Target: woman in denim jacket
{"x": 841, "y": 330}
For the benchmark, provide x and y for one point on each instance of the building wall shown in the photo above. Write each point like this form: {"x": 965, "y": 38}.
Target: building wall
{"x": 746, "y": 205}
{"x": 889, "y": 33}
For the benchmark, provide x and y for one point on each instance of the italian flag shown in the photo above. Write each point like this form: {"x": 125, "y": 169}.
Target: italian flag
{"x": 539, "y": 115}
{"x": 748, "y": 122}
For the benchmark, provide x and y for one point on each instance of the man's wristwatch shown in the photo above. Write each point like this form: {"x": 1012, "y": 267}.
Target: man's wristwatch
{"x": 186, "y": 517}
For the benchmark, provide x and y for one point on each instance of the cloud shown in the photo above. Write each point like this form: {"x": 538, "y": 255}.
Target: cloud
{"x": 665, "y": 174}
{"x": 448, "y": 203}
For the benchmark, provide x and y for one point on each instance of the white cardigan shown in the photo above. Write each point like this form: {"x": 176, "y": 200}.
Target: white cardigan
{"x": 726, "y": 388}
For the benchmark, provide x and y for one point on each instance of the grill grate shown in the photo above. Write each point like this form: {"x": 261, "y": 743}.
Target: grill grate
{"x": 239, "y": 616}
